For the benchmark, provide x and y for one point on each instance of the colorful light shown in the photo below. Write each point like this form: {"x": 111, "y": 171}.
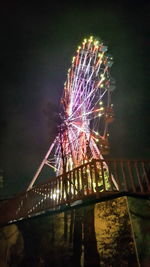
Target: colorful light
{"x": 83, "y": 118}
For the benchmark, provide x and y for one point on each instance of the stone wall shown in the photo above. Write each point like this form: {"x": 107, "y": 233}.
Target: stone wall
{"x": 96, "y": 235}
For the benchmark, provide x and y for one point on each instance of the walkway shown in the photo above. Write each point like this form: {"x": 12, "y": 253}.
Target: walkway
{"x": 94, "y": 181}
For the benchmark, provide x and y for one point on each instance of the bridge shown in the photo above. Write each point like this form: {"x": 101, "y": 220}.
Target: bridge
{"x": 93, "y": 181}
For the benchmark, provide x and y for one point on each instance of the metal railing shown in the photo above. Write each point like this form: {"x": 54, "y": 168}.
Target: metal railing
{"x": 96, "y": 179}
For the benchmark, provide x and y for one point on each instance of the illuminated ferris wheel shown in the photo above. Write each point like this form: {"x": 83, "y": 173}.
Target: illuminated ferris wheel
{"x": 87, "y": 110}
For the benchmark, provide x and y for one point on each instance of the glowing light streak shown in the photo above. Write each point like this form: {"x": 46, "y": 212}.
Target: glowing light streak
{"x": 80, "y": 129}
{"x": 99, "y": 66}
{"x": 71, "y": 147}
{"x": 94, "y": 149}
{"x": 79, "y": 94}
{"x": 85, "y": 114}
{"x": 85, "y": 58}
{"x": 50, "y": 165}
{"x": 85, "y": 99}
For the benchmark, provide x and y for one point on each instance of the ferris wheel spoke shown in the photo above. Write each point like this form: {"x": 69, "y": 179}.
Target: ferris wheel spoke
{"x": 85, "y": 99}
{"x": 77, "y": 127}
{"x": 73, "y": 147}
{"x": 92, "y": 112}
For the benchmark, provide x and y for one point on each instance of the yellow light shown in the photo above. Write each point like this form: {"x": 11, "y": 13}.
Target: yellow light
{"x": 102, "y": 85}
{"x": 100, "y": 55}
{"x": 79, "y": 47}
{"x": 102, "y": 108}
{"x": 85, "y": 40}
{"x": 91, "y": 37}
{"x": 101, "y": 103}
{"x": 97, "y": 140}
{"x": 96, "y": 42}
{"x": 96, "y": 133}
{"x": 100, "y": 114}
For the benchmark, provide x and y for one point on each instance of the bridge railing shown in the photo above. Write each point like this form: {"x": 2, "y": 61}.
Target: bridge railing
{"x": 96, "y": 178}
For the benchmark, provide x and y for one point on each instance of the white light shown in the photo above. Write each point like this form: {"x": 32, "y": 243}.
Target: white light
{"x": 100, "y": 114}
{"x": 103, "y": 78}
{"x": 101, "y": 103}
{"x": 54, "y": 196}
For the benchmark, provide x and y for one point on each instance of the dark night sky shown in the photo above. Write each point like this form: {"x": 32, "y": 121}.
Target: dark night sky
{"x": 37, "y": 44}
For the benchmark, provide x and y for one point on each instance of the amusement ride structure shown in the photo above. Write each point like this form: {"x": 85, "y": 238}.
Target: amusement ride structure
{"x": 77, "y": 154}
{"x": 86, "y": 113}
